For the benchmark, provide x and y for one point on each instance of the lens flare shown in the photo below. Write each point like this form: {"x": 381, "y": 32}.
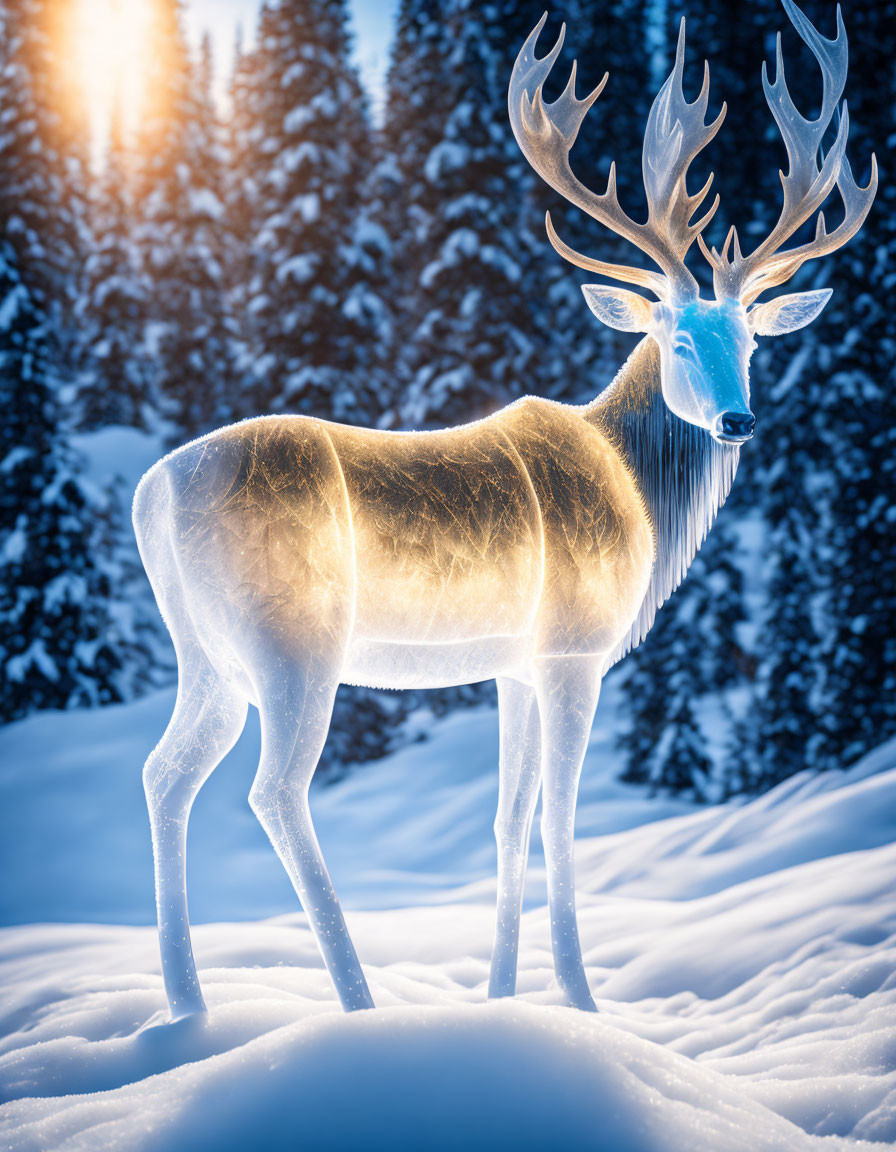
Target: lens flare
{"x": 111, "y": 49}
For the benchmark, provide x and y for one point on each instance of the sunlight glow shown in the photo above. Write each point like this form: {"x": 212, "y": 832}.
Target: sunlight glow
{"x": 111, "y": 47}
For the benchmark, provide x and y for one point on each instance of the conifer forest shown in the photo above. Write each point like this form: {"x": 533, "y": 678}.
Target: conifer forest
{"x": 289, "y": 249}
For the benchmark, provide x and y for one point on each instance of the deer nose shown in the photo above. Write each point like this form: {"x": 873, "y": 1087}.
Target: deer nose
{"x": 735, "y": 426}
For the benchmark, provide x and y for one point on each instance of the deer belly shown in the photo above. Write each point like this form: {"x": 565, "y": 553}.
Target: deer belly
{"x": 380, "y": 664}
{"x": 445, "y": 601}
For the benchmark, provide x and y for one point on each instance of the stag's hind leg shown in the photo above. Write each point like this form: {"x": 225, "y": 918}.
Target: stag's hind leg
{"x": 296, "y": 702}
{"x": 518, "y": 792}
{"x": 208, "y": 718}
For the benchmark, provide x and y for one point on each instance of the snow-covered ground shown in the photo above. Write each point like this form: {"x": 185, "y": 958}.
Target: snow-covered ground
{"x": 743, "y": 959}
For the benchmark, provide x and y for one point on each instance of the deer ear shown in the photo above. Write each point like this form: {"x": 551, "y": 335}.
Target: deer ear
{"x": 619, "y": 308}
{"x": 788, "y": 313}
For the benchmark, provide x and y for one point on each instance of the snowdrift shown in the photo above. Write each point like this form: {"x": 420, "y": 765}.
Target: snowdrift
{"x": 743, "y": 960}
{"x": 501, "y": 1076}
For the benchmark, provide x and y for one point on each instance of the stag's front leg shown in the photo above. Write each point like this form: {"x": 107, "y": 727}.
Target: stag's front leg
{"x": 520, "y": 775}
{"x": 567, "y": 689}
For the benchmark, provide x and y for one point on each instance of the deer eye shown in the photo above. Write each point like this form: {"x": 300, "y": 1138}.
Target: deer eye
{"x": 684, "y": 347}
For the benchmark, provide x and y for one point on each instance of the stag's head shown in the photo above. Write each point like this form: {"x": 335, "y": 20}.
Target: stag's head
{"x": 705, "y": 345}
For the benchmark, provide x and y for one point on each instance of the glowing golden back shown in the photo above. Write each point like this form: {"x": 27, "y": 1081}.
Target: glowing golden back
{"x": 527, "y": 523}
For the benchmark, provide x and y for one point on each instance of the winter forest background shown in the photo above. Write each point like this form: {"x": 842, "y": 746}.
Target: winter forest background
{"x": 285, "y": 253}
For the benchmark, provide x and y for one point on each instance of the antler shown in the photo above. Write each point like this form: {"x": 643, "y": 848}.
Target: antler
{"x": 806, "y": 184}
{"x": 675, "y": 133}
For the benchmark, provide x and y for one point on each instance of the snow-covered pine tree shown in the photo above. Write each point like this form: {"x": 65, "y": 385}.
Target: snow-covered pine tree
{"x": 55, "y": 650}
{"x": 65, "y": 138}
{"x": 850, "y": 545}
{"x": 56, "y": 646}
{"x": 215, "y": 252}
{"x": 115, "y": 385}
{"x": 468, "y": 321}
{"x": 685, "y": 766}
{"x": 694, "y": 649}
{"x": 646, "y": 711}
{"x": 182, "y": 235}
{"x": 318, "y": 310}
{"x": 447, "y": 99}
{"x": 784, "y": 738}
{"x": 242, "y": 132}
{"x": 412, "y": 127}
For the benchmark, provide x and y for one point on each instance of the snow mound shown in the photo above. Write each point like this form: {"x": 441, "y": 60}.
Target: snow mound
{"x": 502, "y": 1076}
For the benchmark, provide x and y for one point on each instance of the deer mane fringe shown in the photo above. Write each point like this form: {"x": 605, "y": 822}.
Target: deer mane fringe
{"x": 683, "y": 474}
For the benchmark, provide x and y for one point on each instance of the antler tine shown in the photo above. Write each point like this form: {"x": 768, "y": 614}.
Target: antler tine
{"x": 675, "y": 134}
{"x": 719, "y": 260}
{"x": 531, "y": 119}
{"x": 624, "y": 272}
{"x": 857, "y": 201}
{"x": 807, "y": 182}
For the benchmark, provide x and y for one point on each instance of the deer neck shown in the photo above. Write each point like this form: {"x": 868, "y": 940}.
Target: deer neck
{"x": 682, "y": 473}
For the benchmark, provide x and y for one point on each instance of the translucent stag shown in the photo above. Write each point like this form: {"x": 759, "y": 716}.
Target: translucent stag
{"x": 289, "y": 554}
